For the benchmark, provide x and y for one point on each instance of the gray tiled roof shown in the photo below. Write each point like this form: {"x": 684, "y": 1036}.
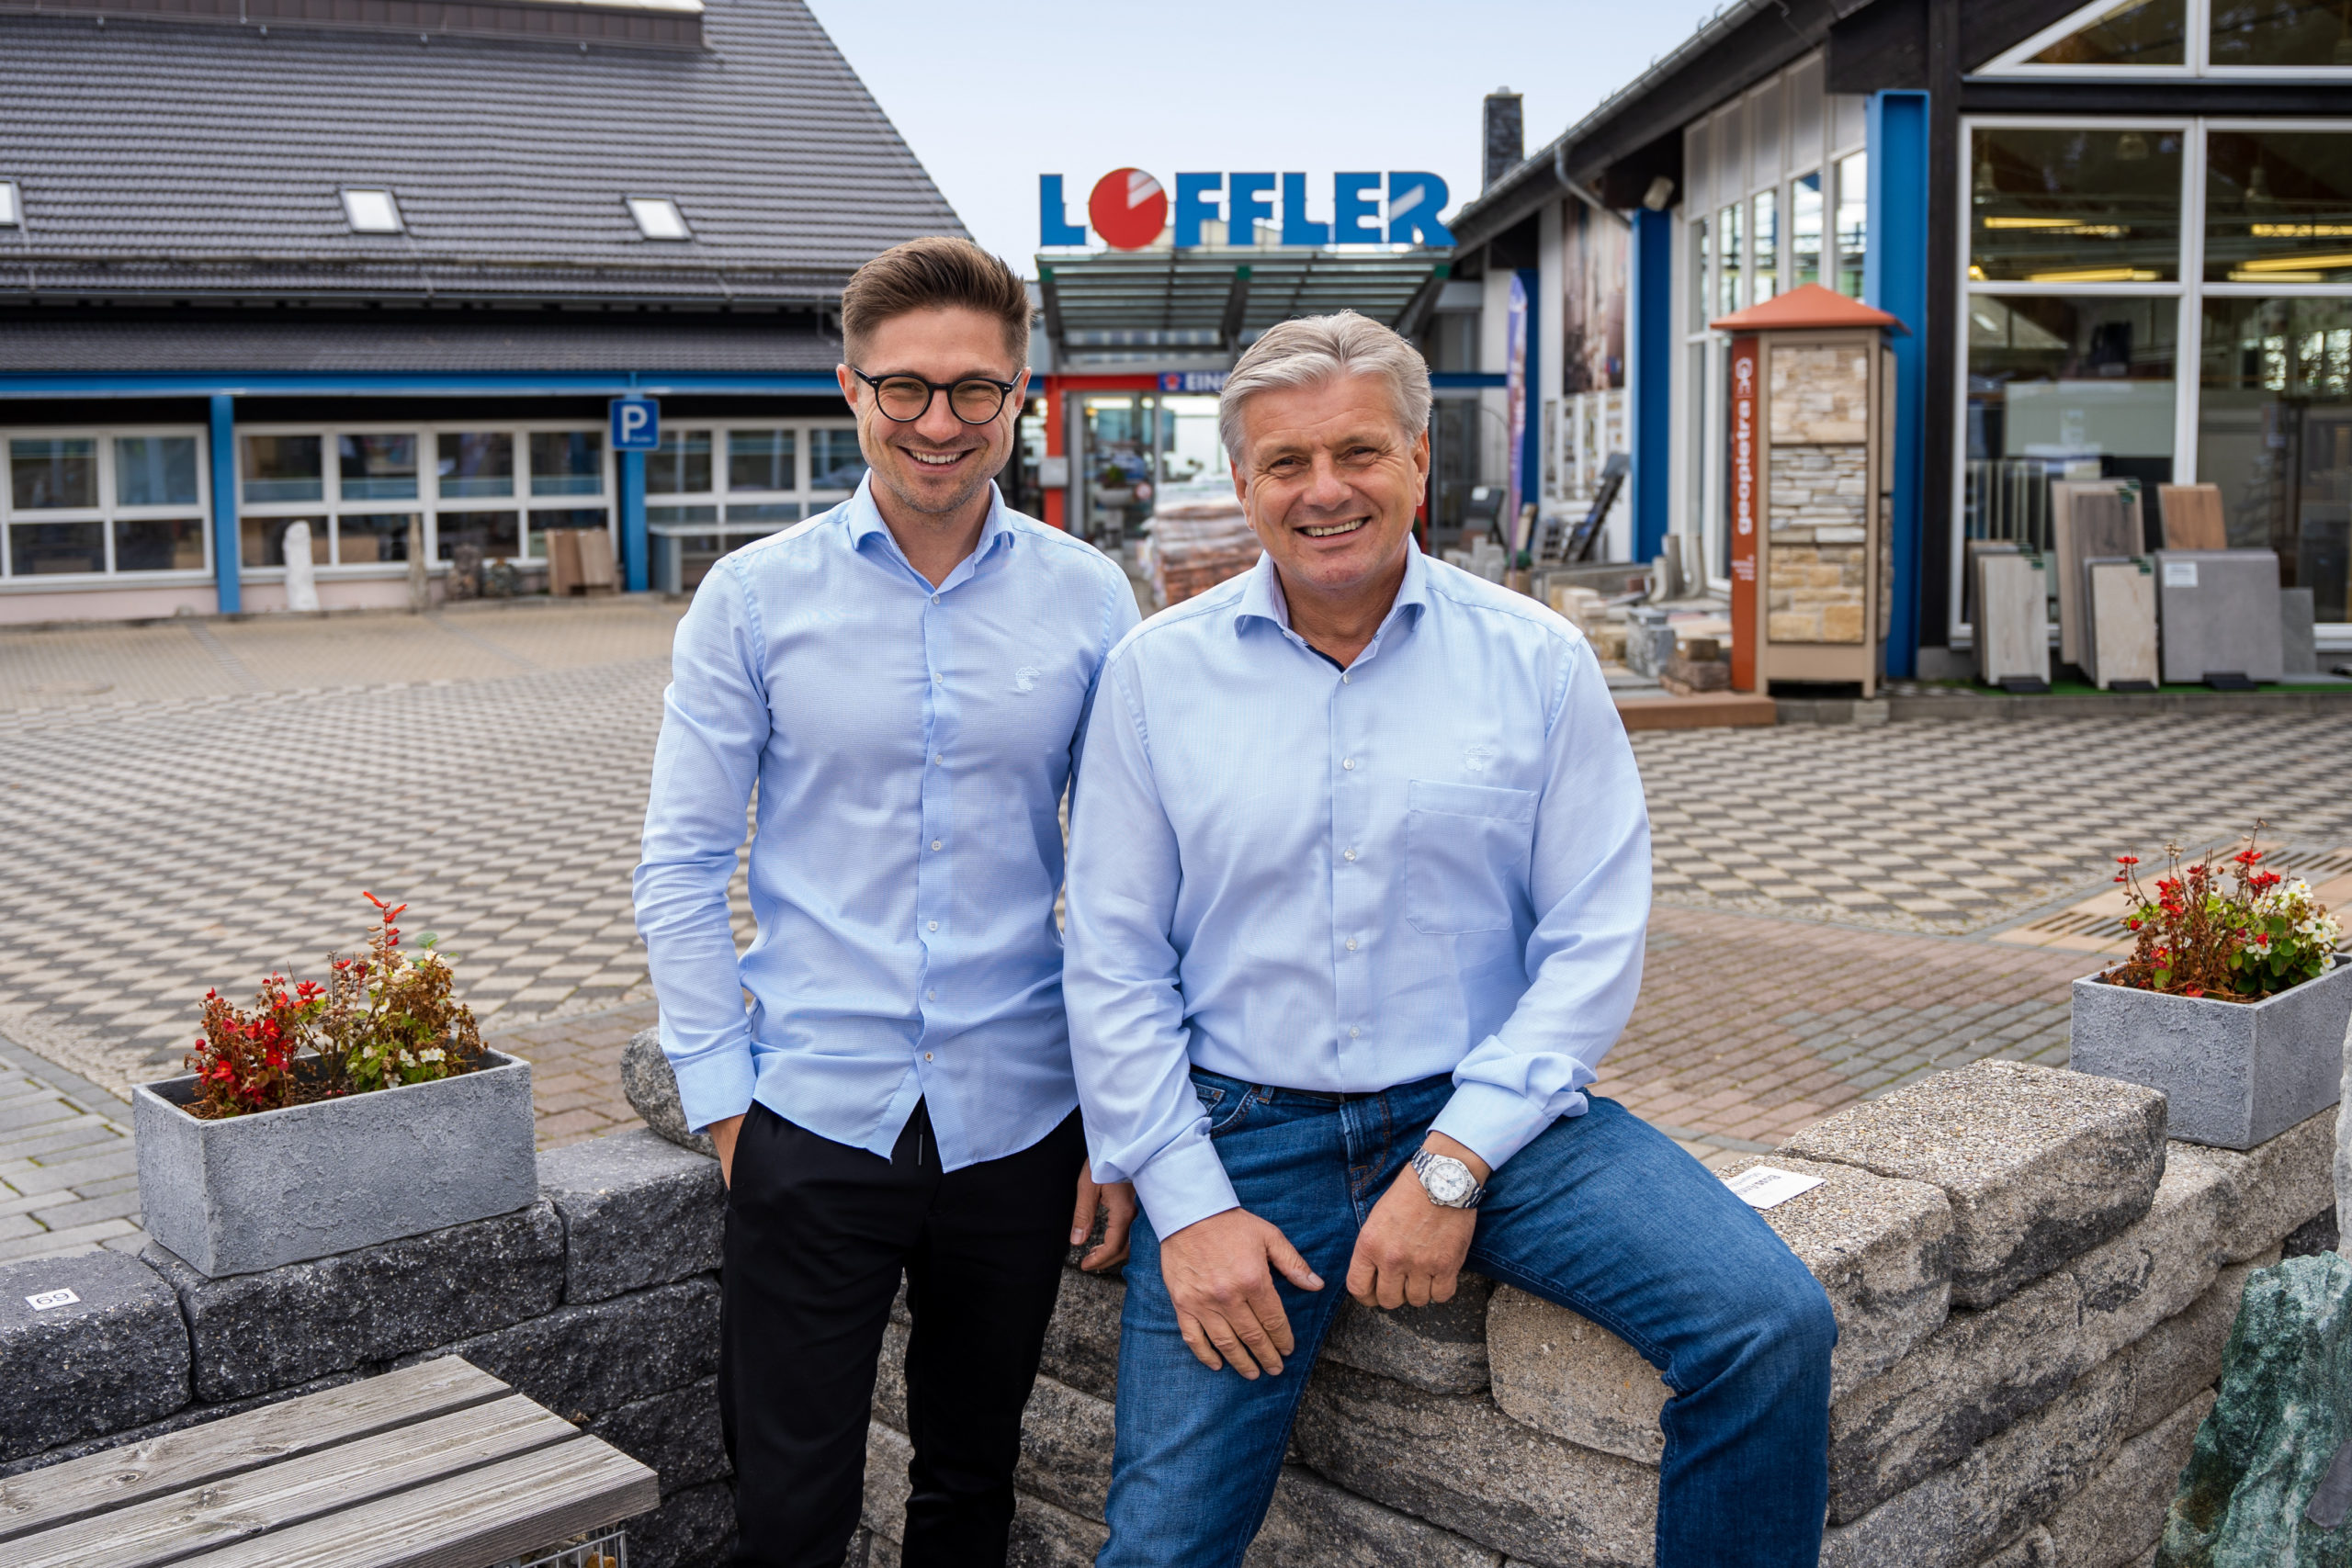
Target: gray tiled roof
{"x": 169, "y": 160}
{"x": 448, "y": 342}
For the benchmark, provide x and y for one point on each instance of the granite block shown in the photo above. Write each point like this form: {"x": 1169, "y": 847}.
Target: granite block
{"x": 252, "y": 1333}
{"x": 2274, "y": 1187}
{"x": 692, "y": 1528}
{"x": 1458, "y": 1462}
{"x": 637, "y": 1211}
{"x": 676, "y": 1433}
{"x": 1066, "y": 1444}
{"x": 1441, "y": 1347}
{"x": 581, "y": 1362}
{"x": 2119, "y": 1515}
{"x": 1082, "y": 1340}
{"x": 1047, "y": 1537}
{"x": 1313, "y": 1524}
{"x": 653, "y": 1090}
{"x": 179, "y": 1420}
{"x": 2173, "y": 1362}
{"x": 115, "y": 1357}
{"x": 2041, "y": 1165}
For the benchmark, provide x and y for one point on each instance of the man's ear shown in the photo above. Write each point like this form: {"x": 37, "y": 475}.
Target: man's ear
{"x": 849, "y": 384}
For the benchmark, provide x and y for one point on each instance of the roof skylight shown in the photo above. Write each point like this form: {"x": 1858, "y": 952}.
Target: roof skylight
{"x": 12, "y": 208}
{"x": 658, "y": 218}
{"x": 371, "y": 212}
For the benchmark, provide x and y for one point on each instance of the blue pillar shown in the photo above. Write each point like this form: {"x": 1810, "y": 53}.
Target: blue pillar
{"x": 1649, "y": 377}
{"x": 1531, "y": 439}
{"x": 1894, "y": 278}
{"x": 633, "y": 540}
{"x": 226, "y": 595}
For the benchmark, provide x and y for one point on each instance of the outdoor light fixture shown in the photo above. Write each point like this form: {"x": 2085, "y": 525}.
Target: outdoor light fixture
{"x": 371, "y": 212}
{"x": 1661, "y": 191}
{"x": 12, "y": 211}
{"x": 658, "y": 218}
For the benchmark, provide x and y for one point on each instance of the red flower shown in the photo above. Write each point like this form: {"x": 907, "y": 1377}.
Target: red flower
{"x": 2127, "y": 860}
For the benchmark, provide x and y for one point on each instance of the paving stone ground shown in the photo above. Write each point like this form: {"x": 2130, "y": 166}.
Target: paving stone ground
{"x": 196, "y": 803}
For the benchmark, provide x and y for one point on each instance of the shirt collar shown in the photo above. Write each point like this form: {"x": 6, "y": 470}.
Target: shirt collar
{"x": 864, "y": 521}
{"x": 1262, "y": 595}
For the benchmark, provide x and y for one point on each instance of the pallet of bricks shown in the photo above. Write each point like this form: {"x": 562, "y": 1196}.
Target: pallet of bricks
{"x": 1196, "y": 545}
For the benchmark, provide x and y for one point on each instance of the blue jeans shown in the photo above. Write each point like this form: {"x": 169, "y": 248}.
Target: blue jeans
{"x": 1601, "y": 1213}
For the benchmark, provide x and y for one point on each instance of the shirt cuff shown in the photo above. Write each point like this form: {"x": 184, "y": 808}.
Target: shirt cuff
{"x": 715, "y": 1086}
{"x": 1183, "y": 1185}
{"x": 1494, "y": 1122}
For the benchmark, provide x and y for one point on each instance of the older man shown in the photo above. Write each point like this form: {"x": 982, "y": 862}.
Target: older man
{"x": 1358, "y": 887}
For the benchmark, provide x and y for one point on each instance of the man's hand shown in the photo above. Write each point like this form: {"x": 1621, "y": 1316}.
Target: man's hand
{"x": 1119, "y": 1199}
{"x": 1410, "y": 1253}
{"x": 722, "y": 1134}
{"x": 1226, "y": 1304}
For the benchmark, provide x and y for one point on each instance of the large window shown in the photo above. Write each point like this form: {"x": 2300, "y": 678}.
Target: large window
{"x": 2165, "y": 302}
{"x": 2189, "y": 38}
{"x": 93, "y": 503}
{"x": 712, "y": 487}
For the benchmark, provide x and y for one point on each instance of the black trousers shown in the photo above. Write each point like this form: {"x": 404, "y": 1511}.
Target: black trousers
{"x": 818, "y": 1234}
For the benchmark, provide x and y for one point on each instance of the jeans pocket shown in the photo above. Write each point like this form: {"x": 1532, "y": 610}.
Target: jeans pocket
{"x": 1466, "y": 853}
{"x": 1224, "y": 1108}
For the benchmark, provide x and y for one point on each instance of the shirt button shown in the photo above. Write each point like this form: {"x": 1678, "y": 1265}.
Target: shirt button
{"x": 930, "y": 996}
{"x": 926, "y": 1055}
{"x": 1349, "y": 763}
{"x": 934, "y": 926}
{"x": 936, "y": 843}
{"x": 935, "y": 598}
{"x": 1350, "y": 854}
{"x": 941, "y": 759}
{"x": 1343, "y": 677}
{"x": 1351, "y": 944}
{"x": 1355, "y": 1033}
{"x": 939, "y": 679}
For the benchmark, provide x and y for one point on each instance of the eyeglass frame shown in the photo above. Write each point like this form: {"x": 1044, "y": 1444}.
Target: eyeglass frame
{"x": 931, "y": 391}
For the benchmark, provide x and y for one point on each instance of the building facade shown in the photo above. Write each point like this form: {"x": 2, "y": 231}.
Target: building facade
{"x": 381, "y": 270}
{"x": 2118, "y": 238}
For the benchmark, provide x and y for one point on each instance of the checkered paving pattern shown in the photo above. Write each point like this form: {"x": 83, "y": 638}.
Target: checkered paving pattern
{"x": 1959, "y": 826}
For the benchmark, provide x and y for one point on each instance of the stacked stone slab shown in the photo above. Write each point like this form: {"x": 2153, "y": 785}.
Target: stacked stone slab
{"x": 1817, "y": 495}
{"x": 2032, "y": 1287}
{"x": 599, "y": 1300}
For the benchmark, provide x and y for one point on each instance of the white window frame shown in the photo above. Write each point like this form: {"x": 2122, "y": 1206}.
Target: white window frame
{"x": 107, "y": 513}
{"x": 721, "y": 493}
{"x": 2018, "y": 63}
{"x": 428, "y": 501}
{"x": 2188, "y": 292}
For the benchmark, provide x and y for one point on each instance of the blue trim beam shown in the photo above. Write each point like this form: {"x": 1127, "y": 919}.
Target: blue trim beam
{"x": 215, "y": 384}
{"x": 634, "y": 553}
{"x": 227, "y": 595}
{"x": 1894, "y": 278}
{"x": 1531, "y": 439}
{"x": 1650, "y": 378}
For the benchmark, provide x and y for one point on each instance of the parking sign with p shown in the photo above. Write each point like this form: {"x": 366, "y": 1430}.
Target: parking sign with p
{"x": 637, "y": 424}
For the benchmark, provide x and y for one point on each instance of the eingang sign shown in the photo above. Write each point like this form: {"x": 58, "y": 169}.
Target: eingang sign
{"x": 1129, "y": 210}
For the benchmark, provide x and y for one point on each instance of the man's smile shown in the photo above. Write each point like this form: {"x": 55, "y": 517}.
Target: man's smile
{"x": 937, "y": 459}
{"x": 1333, "y": 530}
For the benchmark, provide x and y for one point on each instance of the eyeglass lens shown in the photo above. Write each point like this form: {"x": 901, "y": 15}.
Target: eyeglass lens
{"x": 973, "y": 401}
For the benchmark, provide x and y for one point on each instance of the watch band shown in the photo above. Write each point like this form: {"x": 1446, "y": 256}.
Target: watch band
{"x": 1426, "y": 1156}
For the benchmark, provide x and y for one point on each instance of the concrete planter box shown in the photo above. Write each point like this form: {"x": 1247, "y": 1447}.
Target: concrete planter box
{"x": 252, "y": 1193}
{"x": 2236, "y": 1074}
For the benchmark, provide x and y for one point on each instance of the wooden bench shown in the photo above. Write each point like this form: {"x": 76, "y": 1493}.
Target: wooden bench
{"x": 439, "y": 1465}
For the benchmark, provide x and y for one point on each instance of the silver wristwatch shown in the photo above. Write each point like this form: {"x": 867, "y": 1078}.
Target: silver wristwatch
{"x": 1447, "y": 1180}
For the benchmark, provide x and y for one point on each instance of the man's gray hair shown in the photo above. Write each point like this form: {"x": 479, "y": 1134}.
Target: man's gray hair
{"x": 1315, "y": 349}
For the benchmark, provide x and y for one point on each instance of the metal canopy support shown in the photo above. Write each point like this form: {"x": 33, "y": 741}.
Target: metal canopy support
{"x": 1237, "y": 305}
{"x": 1053, "y": 299}
{"x": 1417, "y": 310}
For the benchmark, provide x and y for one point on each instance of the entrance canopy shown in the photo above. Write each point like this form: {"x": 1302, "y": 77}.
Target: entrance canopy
{"x": 1214, "y": 299}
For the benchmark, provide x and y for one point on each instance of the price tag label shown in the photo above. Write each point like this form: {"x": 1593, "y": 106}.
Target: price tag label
{"x": 2180, "y": 574}
{"x": 48, "y": 1299}
{"x": 1763, "y": 1186}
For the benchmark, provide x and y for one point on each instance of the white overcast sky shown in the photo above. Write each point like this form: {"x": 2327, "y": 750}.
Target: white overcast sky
{"x": 992, "y": 96}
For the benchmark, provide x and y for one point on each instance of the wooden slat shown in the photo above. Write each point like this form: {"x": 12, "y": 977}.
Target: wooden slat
{"x": 169, "y": 1529}
{"x": 44, "y": 1499}
{"x": 465, "y": 1521}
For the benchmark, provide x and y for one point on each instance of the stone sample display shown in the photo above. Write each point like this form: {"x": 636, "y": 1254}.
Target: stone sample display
{"x": 2120, "y": 620}
{"x": 2284, "y": 1408}
{"x": 2219, "y": 610}
{"x": 2298, "y": 633}
{"x": 653, "y": 1090}
{"x": 2087, "y": 522}
{"x": 2040, "y": 1165}
{"x": 87, "y": 1345}
{"x": 2236, "y": 1074}
{"x": 252, "y": 1193}
{"x": 2012, "y": 619}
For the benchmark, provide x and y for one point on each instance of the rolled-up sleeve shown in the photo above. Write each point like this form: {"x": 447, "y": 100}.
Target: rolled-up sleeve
{"x": 714, "y": 723}
{"x": 1589, "y": 885}
{"x": 1121, "y": 978}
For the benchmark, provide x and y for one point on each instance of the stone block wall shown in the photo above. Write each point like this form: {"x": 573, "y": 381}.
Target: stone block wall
{"x": 2032, "y": 1286}
{"x": 599, "y": 1300}
{"x": 1815, "y": 530}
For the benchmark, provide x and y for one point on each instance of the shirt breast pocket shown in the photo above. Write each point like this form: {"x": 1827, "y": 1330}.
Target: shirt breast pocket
{"x": 1467, "y": 848}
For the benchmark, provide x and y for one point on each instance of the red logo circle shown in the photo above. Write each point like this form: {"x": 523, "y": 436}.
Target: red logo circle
{"x": 1129, "y": 208}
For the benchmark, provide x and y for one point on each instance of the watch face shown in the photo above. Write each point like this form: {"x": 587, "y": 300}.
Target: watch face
{"x": 1448, "y": 1180}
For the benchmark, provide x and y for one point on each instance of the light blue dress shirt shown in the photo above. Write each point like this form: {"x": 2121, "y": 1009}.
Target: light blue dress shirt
{"x": 910, "y": 745}
{"x": 1437, "y": 861}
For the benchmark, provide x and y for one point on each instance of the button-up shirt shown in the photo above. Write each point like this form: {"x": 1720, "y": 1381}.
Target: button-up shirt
{"x": 1435, "y": 861}
{"x": 910, "y": 744}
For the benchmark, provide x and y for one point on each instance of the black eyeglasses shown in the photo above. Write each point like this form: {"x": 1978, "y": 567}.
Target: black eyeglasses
{"x": 974, "y": 400}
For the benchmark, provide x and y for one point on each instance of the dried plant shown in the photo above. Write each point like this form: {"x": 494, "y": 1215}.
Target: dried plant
{"x": 2237, "y": 934}
{"x": 382, "y": 1019}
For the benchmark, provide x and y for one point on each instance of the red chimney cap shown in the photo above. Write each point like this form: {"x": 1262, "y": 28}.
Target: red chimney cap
{"x": 1810, "y": 306}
